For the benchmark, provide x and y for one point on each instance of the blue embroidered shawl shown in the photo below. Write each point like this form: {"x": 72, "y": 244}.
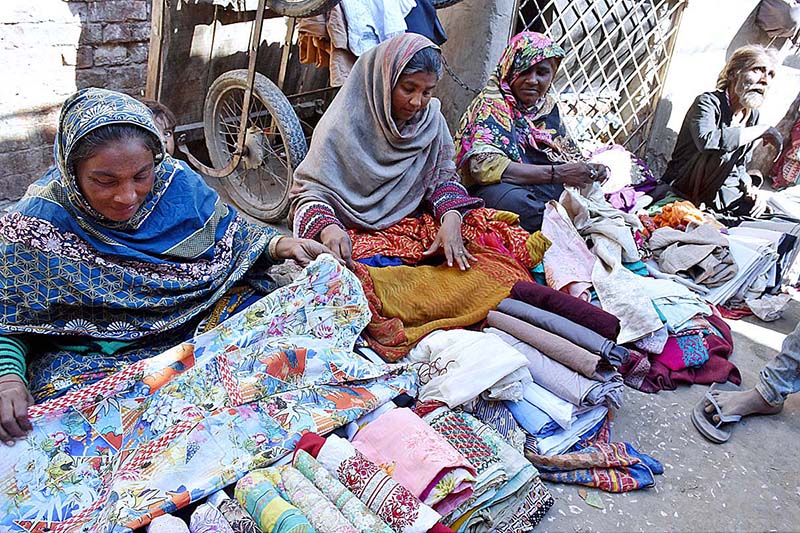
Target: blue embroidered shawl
{"x": 66, "y": 270}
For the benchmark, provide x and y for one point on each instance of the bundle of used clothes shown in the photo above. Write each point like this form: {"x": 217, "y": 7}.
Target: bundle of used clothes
{"x": 745, "y": 267}
{"x": 359, "y": 402}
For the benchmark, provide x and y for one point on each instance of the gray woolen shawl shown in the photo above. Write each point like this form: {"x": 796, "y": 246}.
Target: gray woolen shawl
{"x": 371, "y": 174}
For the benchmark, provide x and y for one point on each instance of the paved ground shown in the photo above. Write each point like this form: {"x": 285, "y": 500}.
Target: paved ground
{"x": 751, "y": 483}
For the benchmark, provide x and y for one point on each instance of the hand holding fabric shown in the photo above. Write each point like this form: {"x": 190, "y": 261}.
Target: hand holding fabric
{"x": 304, "y": 251}
{"x": 14, "y": 402}
{"x": 449, "y": 239}
{"x": 338, "y": 242}
{"x": 580, "y": 174}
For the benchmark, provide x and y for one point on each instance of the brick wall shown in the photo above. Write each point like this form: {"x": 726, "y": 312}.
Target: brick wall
{"x": 49, "y": 49}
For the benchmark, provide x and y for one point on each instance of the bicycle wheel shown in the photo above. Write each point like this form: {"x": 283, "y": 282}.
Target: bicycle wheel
{"x": 274, "y": 143}
{"x": 301, "y": 8}
{"x": 441, "y": 4}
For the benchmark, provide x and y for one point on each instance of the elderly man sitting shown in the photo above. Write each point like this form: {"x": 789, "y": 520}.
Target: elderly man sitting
{"x": 716, "y": 141}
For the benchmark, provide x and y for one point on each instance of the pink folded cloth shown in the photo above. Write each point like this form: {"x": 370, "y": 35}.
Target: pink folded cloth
{"x": 418, "y": 458}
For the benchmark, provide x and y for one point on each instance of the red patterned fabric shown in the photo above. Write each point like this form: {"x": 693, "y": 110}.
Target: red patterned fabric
{"x": 411, "y": 236}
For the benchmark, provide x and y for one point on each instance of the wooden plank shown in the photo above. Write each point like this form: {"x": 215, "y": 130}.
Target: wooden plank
{"x": 166, "y": 41}
{"x": 154, "y": 54}
{"x": 287, "y": 48}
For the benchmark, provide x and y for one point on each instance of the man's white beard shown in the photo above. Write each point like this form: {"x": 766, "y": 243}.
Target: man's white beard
{"x": 752, "y": 100}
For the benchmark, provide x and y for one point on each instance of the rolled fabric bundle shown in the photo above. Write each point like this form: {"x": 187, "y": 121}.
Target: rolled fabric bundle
{"x": 550, "y": 344}
{"x": 263, "y": 501}
{"x": 569, "y": 307}
{"x": 208, "y": 519}
{"x": 351, "y": 507}
{"x": 563, "y": 327}
{"x": 392, "y": 502}
{"x": 234, "y": 513}
{"x": 321, "y": 512}
{"x": 422, "y": 461}
{"x": 562, "y": 381}
{"x": 167, "y": 524}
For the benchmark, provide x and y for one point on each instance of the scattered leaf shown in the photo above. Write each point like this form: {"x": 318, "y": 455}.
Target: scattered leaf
{"x": 594, "y": 500}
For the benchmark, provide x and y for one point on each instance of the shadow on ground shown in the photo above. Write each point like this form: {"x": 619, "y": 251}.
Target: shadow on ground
{"x": 750, "y": 483}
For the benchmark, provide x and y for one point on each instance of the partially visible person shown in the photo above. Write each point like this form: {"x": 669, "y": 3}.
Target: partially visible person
{"x": 166, "y": 122}
{"x": 786, "y": 171}
{"x": 513, "y": 150}
{"x": 116, "y": 254}
{"x": 716, "y": 413}
{"x": 718, "y": 135}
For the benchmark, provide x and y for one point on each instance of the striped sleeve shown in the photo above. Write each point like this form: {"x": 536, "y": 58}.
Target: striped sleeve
{"x": 452, "y": 196}
{"x": 312, "y": 217}
{"x": 12, "y": 356}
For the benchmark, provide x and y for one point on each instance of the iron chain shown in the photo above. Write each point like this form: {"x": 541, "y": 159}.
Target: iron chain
{"x": 456, "y": 78}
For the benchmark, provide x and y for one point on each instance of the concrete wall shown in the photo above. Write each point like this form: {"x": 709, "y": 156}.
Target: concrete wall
{"x": 48, "y": 49}
{"x": 477, "y": 31}
{"x": 707, "y": 37}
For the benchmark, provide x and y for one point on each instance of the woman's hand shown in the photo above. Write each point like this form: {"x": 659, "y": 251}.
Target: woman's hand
{"x": 301, "y": 250}
{"x": 449, "y": 238}
{"x": 14, "y": 402}
{"x": 580, "y": 174}
{"x": 338, "y": 242}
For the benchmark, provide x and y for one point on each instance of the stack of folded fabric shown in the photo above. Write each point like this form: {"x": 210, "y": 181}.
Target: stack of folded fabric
{"x": 513, "y": 497}
{"x": 453, "y": 367}
{"x": 573, "y": 368}
{"x": 569, "y": 351}
{"x": 754, "y": 258}
{"x": 395, "y": 465}
{"x": 418, "y": 458}
{"x": 332, "y": 487}
{"x": 702, "y": 253}
{"x": 788, "y": 245}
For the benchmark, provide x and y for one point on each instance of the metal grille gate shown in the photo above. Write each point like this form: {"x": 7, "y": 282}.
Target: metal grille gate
{"x": 618, "y": 53}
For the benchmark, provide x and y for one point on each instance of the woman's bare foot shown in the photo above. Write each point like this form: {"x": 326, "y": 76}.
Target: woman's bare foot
{"x": 743, "y": 403}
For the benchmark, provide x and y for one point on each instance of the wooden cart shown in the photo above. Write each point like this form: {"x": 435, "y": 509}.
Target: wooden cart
{"x": 252, "y": 132}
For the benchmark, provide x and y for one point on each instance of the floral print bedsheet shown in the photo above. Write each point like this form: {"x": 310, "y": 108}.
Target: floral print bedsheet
{"x": 170, "y": 430}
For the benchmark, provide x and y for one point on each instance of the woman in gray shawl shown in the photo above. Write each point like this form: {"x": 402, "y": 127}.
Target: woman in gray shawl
{"x": 382, "y": 153}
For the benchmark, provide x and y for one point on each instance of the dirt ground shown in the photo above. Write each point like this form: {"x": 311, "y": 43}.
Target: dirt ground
{"x": 750, "y": 483}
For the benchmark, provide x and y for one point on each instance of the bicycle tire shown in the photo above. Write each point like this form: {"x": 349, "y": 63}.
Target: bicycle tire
{"x": 441, "y": 4}
{"x": 301, "y": 8}
{"x": 263, "y": 191}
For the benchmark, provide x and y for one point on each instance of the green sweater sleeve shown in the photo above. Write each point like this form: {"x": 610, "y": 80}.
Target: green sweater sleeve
{"x": 12, "y": 356}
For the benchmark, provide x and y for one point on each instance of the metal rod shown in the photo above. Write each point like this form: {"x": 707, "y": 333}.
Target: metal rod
{"x": 236, "y": 156}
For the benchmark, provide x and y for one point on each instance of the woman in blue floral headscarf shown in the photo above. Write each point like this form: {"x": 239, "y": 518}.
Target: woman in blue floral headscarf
{"x": 512, "y": 149}
{"x": 117, "y": 253}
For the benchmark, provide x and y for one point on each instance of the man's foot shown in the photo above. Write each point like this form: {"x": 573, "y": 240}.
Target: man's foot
{"x": 742, "y": 403}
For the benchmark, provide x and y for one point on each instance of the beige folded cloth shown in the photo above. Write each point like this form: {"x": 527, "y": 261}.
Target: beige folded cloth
{"x": 702, "y": 253}
{"x": 553, "y": 346}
